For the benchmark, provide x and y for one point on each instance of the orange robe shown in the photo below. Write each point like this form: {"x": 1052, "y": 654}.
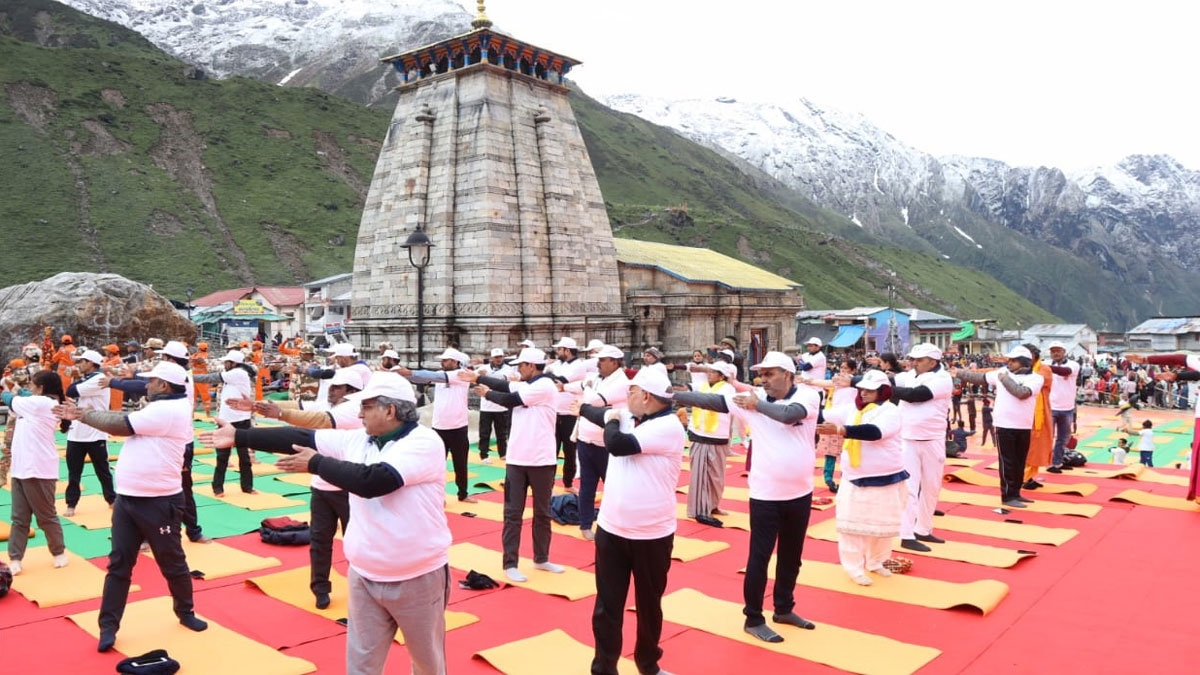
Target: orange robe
{"x": 63, "y": 362}
{"x": 116, "y": 397}
{"x": 200, "y": 367}
{"x": 256, "y": 357}
{"x": 1041, "y": 438}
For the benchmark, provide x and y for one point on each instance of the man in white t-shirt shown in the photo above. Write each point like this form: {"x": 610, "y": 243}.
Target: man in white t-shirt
{"x": 449, "y": 411}
{"x": 493, "y": 416}
{"x": 637, "y": 520}
{"x": 237, "y": 381}
{"x": 531, "y": 457}
{"x": 1064, "y": 373}
{"x": 1016, "y": 396}
{"x": 569, "y": 368}
{"x": 783, "y": 417}
{"x": 149, "y": 494}
{"x": 812, "y": 363}
{"x": 924, "y": 392}
{"x": 84, "y": 441}
{"x": 398, "y": 543}
{"x": 609, "y": 388}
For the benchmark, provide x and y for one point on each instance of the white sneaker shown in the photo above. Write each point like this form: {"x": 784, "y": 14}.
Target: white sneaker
{"x": 549, "y": 567}
{"x": 862, "y": 580}
{"x": 61, "y": 560}
{"x": 486, "y": 460}
{"x": 14, "y": 566}
{"x": 514, "y": 574}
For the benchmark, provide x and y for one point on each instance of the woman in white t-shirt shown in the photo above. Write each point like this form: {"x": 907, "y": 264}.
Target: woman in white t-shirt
{"x": 35, "y": 469}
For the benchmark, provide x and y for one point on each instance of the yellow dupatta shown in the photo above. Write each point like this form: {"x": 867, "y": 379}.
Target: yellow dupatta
{"x": 853, "y": 446}
{"x": 706, "y": 421}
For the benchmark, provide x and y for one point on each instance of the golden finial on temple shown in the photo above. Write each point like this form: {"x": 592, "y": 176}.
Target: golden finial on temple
{"x": 481, "y": 20}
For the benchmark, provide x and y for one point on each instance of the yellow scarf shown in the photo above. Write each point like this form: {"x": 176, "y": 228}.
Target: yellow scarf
{"x": 853, "y": 446}
{"x": 1039, "y": 414}
{"x": 705, "y": 421}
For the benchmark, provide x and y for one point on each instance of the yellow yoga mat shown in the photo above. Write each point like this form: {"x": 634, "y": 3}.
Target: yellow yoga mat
{"x": 151, "y": 624}
{"x": 6, "y": 530}
{"x": 545, "y": 654}
{"x": 1143, "y": 498}
{"x": 497, "y": 485}
{"x": 259, "y": 469}
{"x": 91, "y": 512}
{"x": 1040, "y": 506}
{"x": 1033, "y": 534}
{"x": 984, "y": 595}
{"x": 1132, "y": 471}
{"x": 961, "y": 461}
{"x": 572, "y": 584}
{"x": 741, "y": 494}
{"x": 1152, "y": 476}
{"x": 976, "y": 554}
{"x": 259, "y": 501}
{"x": 841, "y": 648}
{"x": 304, "y": 479}
{"x": 450, "y": 476}
{"x": 291, "y": 587}
{"x": 483, "y": 508}
{"x": 973, "y": 477}
{"x": 49, "y": 586}
{"x": 735, "y": 519}
{"x": 217, "y": 560}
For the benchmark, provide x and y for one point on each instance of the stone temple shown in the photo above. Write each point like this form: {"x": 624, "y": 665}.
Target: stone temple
{"x": 484, "y": 157}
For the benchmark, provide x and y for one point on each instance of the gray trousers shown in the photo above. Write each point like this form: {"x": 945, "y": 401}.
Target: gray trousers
{"x": 416, "y": 606}
{"x": 518, "y": 481}
{"x": 34, "y": 497}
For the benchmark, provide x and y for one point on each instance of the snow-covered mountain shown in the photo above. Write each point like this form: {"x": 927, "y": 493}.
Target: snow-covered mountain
{"x": 332, "y": 44}
{"x": 845, "y": 163}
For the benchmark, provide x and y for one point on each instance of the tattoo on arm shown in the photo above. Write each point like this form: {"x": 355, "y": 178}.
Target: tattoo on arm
{"x": 115, "y": 423}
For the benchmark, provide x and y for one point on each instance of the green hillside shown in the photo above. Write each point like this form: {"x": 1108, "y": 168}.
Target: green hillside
{"x": 116, "y": 158}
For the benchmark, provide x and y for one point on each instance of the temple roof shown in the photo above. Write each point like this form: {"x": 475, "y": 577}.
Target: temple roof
{"x": 700, "y": 265}
{"x": 454, "y": 49}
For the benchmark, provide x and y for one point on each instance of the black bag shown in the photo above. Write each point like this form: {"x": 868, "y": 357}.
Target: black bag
{"x": 6, "y": 579}
{"x": 565, "y": 509}
{"x": 477, "y": 582}
{"x": 156, "y": 662}
{"x": 284, "y": 531}
{"x": 1074, "y": 458}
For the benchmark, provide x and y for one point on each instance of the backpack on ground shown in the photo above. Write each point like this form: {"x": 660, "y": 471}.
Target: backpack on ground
{"x": 284, "y": 531}
{"x": 1074, "y": 458}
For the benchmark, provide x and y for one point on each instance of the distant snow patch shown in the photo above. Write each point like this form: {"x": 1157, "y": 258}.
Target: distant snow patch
{"x": 854, "y": 219}
{"x": 289, "y": 76}
{"x": 904, "y": 212}
{"x": 964, "y": 234}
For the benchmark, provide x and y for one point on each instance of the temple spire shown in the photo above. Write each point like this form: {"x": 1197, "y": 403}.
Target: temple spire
{"x": 481, "y": 19}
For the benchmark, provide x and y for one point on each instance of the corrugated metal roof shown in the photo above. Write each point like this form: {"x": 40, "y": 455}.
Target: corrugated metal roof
{"x": 327, "y": 280}
{"x": 700, "y": 265}
{"x": 1167, "y": 326}
{"x": 1063, "y": 329}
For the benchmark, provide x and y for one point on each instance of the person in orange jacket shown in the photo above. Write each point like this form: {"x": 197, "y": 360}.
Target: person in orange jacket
{"x": 200, "y": 367}
{"x": 111, "y": 364}
{"x": 256, "y": 357}
{"x": 63, "y": 361}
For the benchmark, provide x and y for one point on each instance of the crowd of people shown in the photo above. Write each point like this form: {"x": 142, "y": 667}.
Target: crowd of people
{"x": 888, "y": 421}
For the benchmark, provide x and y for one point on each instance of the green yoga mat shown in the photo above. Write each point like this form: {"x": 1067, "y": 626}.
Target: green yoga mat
{"x": 1177, "y": 449}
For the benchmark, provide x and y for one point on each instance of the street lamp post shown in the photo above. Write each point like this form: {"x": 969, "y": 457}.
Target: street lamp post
{"x": 418, "y": 246}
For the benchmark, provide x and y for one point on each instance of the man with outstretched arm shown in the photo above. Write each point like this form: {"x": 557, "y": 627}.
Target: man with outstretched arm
{"x": 395, "y": 472}
{"x": 149, "y": 494}
{"x": 783, "y": 417}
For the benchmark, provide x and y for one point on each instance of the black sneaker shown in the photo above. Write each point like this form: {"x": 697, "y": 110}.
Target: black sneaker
{"x": 1031, "y": 485}
{"x": 914, "y": 545}
{"x": 930, "y": 539}
{"x": 1054, "y": 469}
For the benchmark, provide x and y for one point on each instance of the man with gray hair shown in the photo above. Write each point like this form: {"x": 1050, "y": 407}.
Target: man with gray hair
{"x": 395, "y": 472}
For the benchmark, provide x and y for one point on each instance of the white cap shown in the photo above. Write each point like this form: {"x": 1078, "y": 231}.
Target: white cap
{"x": 567, "y": 342}
{"x": 653, "y": 381}
{"x": 531, "y": 355}
{"x": 343, "y": 349}
{"x": 776, "y": 360}
{"x": 390, "y": 354}
{"x": 1055, "y": 344}
{"x": 527, "y": 343}
{"x": 384, "y": 383}
{"x": 727, "y": 369}
{"x": 594, "y": 344}
{"x": 1019, "y": 352}
{"x": 454, "y": 354}
{"x": 610, "y": 352}
{"x": 236, "y": 356}
{"x": 176, "y": 349}
{"x": 873, "y": 379}
{"x": 168, "y": 372}
{"x": 497, "y": 352}
{"x": 814, "y": 341}
{"x": 90, "y": 355}
{"x": 727, "y": 353}
{"x": 348, "y": 376}
{"x": 925, "y": 350}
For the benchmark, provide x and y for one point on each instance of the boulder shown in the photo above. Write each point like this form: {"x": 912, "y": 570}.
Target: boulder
{"x": 96, "y": 309}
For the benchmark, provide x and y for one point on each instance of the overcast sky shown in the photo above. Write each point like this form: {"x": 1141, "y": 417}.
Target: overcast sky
{"x": 1057, "y": 83}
